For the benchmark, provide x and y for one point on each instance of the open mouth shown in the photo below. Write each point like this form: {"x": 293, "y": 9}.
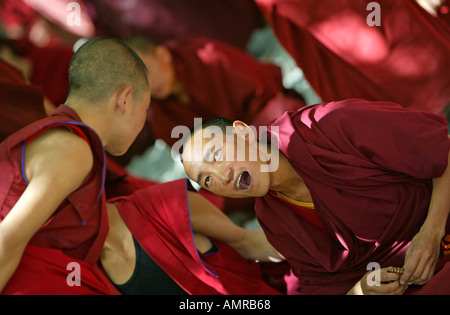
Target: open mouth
{"x": 244, "y": 181}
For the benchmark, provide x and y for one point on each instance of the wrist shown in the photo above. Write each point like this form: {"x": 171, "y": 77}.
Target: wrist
{"x": 434, "y": 227}
{"x": 356, "y": 290}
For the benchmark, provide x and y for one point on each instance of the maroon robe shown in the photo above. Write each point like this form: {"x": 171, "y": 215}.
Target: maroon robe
{"x": 83, "y": 210}
{"x": 368, "y": 167}
{"x": 21, "y": 103}
{"x": 444, "y": 13}
{"x": 49, "y": 67}
{"x": 45, "y": 271}
{"x": 221, "y": 81}
{"x": 79, "y": 226}
{"x": 230, "y": 21}
{"x": 50, "y": 70}
{"x": 158, "y": 218}
{"x": 405, "y": 60}
{"x": 120, "y": 183}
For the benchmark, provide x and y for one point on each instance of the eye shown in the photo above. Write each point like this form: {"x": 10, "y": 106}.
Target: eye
{"x": 207, "y": 181}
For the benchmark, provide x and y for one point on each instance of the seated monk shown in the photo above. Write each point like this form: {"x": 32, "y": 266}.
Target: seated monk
{"x": 52, "y": 201}
{"x": 200, "y": 77}
{"x": 23, "y": 103}
{"x": 340, "y": 186}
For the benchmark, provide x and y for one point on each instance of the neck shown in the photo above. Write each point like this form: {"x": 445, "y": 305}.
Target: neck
{"x": 179, "y": 91}
{"x": 287, "y": 181}
{"x": 91, "y": 116}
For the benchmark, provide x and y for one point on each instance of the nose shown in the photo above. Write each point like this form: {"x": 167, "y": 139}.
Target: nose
{"x": 228, "y": 176}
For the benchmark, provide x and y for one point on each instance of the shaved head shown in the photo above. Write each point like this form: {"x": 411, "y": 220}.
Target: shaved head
{"x": 103, "y": 65}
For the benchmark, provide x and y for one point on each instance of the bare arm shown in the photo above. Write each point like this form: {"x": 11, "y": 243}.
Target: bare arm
{"x": 423, "y": 252}
{"x": 208, "y": 220}
{"x": 56, "y": 163}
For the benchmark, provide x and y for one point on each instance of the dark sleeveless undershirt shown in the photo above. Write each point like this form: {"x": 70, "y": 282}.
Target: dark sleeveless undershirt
{"x": 149, "y": 279}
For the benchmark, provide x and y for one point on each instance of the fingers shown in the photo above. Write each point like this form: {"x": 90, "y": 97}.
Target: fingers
{"x": 388, "y": 284}
{"x": 418, "y": 270}
{"x": 390, "y": 281}
{"x": 393, "y": 288}
{"x": 388, "y": 276}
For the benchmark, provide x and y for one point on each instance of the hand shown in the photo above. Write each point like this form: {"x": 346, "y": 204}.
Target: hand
{"x": 388, "y": 284}
{"x": 421, "y": 258}
{"x": 254, "y": 246}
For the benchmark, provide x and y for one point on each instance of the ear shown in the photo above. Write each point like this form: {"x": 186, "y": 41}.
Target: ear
{"x": 242, "y": 129}
{"x": 124, "y": 98}
{"x": 163, "y": 54}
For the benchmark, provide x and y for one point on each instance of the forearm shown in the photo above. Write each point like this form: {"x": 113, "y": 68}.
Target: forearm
{"x": 423, "y": 251}
{"x": 9, "y": 260}
{"x": 255, "y": 246}
{"x": 206, "y": 219}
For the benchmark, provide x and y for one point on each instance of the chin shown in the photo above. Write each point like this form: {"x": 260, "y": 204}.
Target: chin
{"x": 160, "y": 95}
{"x": 116, "y": 152}
{"x": 247, "y": 193}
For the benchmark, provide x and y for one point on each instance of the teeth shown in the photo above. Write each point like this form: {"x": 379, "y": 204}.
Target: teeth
{"x": 244, "y": 185}
{"x": 238, "y": 181}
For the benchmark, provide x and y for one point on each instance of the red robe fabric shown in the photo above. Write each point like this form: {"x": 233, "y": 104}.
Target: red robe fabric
{"x": 120, "y": 183}
{"x": 79, "y": 226}
{"x": 158, "y": 218}
{"x": 49, "y": 67}
{"x": 221, "y": 81}
{"x": 444, "y": 13}
{"x": 21, "y": 103}
{"x": 48, "y": 271}
{"x": 368, "y": 167}
{"x": 405, "y": 60}
{"x": 83, "y": 210}
{"x": 230, "y": 21}
{"x": 50, "y": 70}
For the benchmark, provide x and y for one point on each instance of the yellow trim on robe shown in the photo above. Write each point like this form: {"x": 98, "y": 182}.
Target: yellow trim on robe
{"x": 308, "y": 205}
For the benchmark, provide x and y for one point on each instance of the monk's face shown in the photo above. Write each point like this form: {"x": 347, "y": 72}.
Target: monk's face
{"x": 129, "y": 123}
{"x": 139, "y": 115}
{"x": 224, "y": 166}
{"x": 161, "y": 72}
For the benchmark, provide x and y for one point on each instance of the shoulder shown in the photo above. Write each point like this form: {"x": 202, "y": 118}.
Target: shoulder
{"x": 59, "y": 149}
{"x": 347, "y": 108}
{"x": 61, "y": 139}
{"x": 358, "y": 113}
